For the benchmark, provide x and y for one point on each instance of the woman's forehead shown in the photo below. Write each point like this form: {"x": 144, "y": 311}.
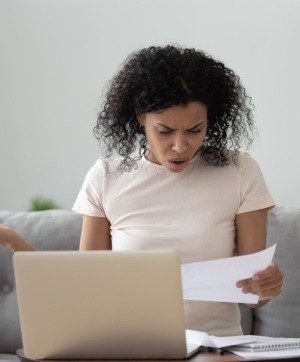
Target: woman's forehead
{"x": 191, "y": 113}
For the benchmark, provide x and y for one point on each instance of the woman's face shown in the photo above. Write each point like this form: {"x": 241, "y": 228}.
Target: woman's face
{"x": 175, "y": 134}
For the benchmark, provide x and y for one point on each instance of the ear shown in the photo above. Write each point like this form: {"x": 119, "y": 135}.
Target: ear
{"x": 140, "y": 117}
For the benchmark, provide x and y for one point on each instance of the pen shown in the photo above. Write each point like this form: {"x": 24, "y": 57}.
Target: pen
{"x": 216, "y": 350}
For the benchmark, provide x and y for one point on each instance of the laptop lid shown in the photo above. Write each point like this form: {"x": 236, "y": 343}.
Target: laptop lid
{"x": 100, "y": 304}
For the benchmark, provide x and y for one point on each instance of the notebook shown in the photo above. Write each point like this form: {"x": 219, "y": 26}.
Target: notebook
{"x": 268, "y": 344}
{"x": 101, "y": 305}
{"x": 268, "y": 348}
{"x": 251, "y": 347}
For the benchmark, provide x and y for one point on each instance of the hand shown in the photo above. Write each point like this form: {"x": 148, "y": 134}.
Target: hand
{"x": 267, "y": 283}
{"x": 13, "y": 241}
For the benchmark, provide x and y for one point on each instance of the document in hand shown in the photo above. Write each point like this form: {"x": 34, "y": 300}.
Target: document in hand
{"x": 215, "y": 280}
{"x": 241, "y": 345}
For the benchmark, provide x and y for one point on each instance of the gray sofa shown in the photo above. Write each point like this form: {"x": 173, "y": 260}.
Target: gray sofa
{"x": 60, "y": 230}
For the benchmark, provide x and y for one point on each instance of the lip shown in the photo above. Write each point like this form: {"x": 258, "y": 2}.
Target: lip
{"x": 178, "y": 159}
{"x": 178, "y": 167}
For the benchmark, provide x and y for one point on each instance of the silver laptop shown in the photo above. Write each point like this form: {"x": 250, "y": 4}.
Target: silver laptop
{"x": 101, "y": 305}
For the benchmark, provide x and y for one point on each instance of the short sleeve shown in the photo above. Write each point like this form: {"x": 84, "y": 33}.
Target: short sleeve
{"x": 254, "y": 192}
{"x": 90, "y": 198}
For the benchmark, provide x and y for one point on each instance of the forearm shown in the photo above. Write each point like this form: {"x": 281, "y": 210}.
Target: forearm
{"x": 251, "y": 237}
{"x": 23, "y": 245}
{"x": 13, "y": 241}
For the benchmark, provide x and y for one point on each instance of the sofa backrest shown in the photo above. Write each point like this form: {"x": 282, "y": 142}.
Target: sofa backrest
{"x": 60, "y": 230}
{"x": 47, "y": 230}
{"x": 281, "y": 316}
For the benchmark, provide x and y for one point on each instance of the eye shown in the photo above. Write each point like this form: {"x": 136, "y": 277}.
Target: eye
{"x": 165, "y": 132}
{"x": 198, "y": 131}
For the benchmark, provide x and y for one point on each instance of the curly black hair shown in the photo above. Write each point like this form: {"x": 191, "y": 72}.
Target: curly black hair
{"x": 156, "y": 78}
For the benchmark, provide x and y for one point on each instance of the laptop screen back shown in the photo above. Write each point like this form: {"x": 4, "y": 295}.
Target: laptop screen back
{"x": 100, "y": 304}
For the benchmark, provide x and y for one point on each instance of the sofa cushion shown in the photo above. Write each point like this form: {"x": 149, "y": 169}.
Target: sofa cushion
{"x": 47, "y": 230}
{"x": 281, "y": 316}
{"x": 9, "y": 357}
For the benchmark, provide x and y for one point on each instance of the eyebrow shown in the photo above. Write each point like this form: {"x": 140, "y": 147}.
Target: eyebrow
{"x": 190, "y": 129}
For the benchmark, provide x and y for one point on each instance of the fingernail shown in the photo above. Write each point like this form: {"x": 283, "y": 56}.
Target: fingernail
{"x": 255, "y": 277}
{"x": 239, "y": 284}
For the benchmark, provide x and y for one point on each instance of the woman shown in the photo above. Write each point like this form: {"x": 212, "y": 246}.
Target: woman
{"x": 177, "y": 119}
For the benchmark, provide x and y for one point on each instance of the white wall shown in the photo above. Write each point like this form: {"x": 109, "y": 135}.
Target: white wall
{"x": 57, "y": 55}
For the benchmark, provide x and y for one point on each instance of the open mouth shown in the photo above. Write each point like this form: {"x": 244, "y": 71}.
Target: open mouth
{"x": 178, "y": 162}
{"x": 178, "y": 165}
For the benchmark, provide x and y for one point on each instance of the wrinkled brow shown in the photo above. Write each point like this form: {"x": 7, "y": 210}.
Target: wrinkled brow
{"x": 172, "y": 129}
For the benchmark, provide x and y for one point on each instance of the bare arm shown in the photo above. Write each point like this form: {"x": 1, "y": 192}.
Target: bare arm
{"x": 13, "y": 241}
{"x": 95, "y": 233}
{"x": 251, "y": 233}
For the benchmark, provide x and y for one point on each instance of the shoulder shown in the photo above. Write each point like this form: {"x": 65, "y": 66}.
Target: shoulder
{"x": 239, "y": 158}
{"x": 245, "y": 157}
{"x": 106, "y": 165}
{"x": 247, "y": 164}
{"x": 240, "y": 166}
{"x": 107, "y": 161}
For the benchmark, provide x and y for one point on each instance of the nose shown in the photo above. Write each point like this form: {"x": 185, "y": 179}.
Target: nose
{"x": 180, "y": 145}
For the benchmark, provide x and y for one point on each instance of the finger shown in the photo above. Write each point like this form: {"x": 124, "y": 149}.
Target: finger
{"x": 243, "y": 283}
{"x": 269, "y": 294}
{"x": 261, "y": 288}
{"x": 266, "y": 290}
{"x": 270, "y": 271}
{"x": 255, "y": 287}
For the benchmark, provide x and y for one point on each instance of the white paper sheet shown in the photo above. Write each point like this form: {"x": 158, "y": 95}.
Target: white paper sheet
{"x": 206, "y": 340}
{"x": 215, "y": 280}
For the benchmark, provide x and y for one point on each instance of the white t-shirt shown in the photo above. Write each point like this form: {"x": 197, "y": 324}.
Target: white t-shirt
{"x": 192, "y": 212}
